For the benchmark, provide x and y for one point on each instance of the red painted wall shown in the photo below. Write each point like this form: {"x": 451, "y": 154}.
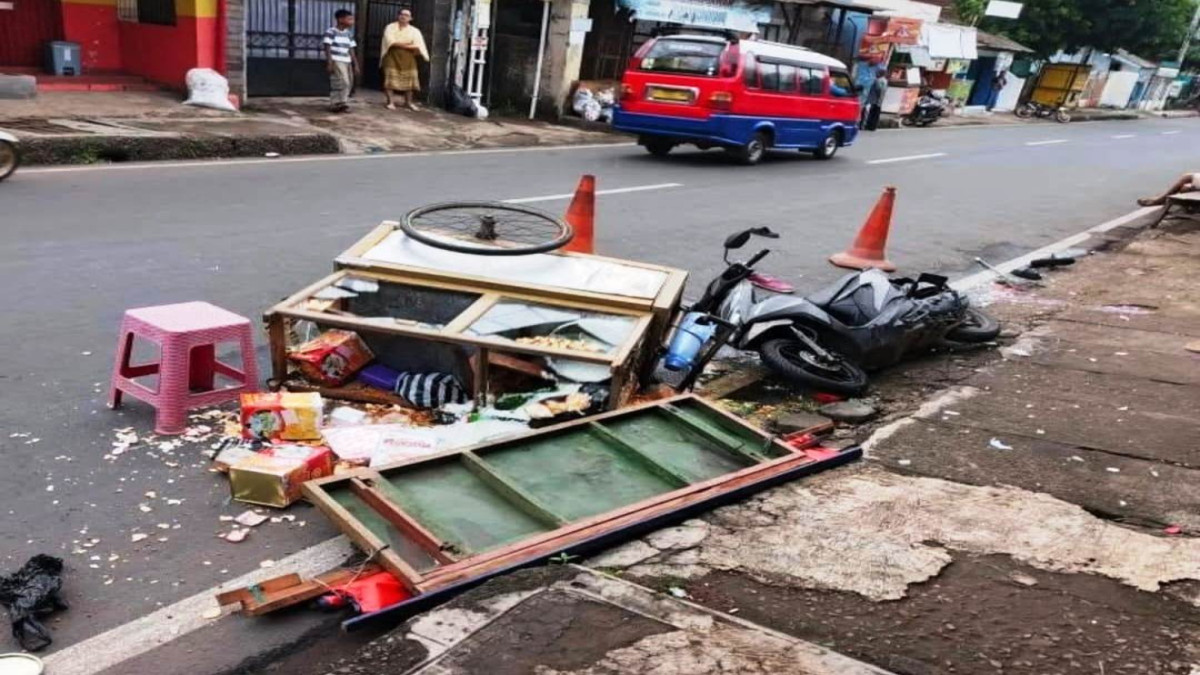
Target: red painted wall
{"x": 165, "y": 53}
{"x": 94, "y": 27}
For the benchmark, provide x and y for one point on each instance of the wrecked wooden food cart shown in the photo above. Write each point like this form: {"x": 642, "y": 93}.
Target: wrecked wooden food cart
{"x": 455, "y": 519}
{"x": 496, "y": 325}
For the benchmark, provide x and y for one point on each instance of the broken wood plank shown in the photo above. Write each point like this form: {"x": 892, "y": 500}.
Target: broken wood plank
{"x": 290, "y": 589}
{"x": 730, "y": 383}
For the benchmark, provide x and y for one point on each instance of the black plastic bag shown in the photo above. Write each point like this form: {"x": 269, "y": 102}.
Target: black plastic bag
{"x": 29, "y": 593}
{"x": 457, "y": 101}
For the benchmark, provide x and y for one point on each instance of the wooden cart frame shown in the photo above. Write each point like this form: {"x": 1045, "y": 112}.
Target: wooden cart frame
{"x": 764, "y": 464}
{"x": 624, "y": 361}
{"x": 662, "y": 307}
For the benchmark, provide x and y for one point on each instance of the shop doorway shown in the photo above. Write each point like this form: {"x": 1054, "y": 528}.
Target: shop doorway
{"x": 25, "y": 28}
{"x": 284, "y": 54}
{"x": 380, "y": 13}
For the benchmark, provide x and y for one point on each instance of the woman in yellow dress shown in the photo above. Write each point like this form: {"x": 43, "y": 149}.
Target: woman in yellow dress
{"x": 403, "y": 44}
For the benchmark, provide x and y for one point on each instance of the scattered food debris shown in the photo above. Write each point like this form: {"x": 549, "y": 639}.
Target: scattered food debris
{"x": 999, "y": 444}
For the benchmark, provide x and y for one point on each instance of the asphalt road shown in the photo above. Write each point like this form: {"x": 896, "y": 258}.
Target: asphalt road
{"x": 82, "y": 245}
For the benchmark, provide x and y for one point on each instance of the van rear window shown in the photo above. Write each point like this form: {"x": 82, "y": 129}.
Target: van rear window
{"x": 684, "y": 56}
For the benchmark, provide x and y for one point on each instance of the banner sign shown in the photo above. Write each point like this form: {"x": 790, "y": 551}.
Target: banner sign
{"x": 723, "y": 14}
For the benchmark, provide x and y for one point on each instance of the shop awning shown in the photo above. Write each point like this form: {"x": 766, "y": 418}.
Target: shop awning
{"x": 1000, "y": 43}
{"x": 729, "y": 15}
{"x": 947, "y": 41}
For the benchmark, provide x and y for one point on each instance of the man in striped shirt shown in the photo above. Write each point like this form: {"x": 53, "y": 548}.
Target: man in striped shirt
{"x": 341, "y": 59}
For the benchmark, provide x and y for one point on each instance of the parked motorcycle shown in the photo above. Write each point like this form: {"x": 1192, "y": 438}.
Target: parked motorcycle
{"x": 1030, "y": 109}
{"x": 10, "y": 154}
{"x": 929, "y": 109}
{"x": 828, "y": 340}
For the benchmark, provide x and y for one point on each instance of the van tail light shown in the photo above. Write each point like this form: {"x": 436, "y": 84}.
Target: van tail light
{"x": 627, "y": 92}
{"x": 635, "y": 62}
{"x": 729, "y": 61}
{"x": 721, "y": 100}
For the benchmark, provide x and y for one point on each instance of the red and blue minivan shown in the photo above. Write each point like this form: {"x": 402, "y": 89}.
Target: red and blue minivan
{"x": 746, "y": 96}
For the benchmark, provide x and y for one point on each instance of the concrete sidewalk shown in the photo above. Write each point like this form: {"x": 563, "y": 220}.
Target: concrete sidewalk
{"x": 983, "y": 118}
{"x": 91, "y": 127}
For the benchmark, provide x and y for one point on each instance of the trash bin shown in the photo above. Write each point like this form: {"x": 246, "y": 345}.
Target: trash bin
{"x": 63, "y": 58}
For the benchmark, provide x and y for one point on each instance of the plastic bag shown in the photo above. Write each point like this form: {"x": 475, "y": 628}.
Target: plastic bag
{"x": 29, "y": 593}
{"x": 457, "y": 101}
{"x": 208, "y": 89}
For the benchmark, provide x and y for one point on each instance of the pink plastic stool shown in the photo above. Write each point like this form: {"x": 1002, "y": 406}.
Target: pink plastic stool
{"x": 186, "y": 335}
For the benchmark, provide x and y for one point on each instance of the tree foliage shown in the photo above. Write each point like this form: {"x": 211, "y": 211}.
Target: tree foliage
{"x": 1150, "y": 28}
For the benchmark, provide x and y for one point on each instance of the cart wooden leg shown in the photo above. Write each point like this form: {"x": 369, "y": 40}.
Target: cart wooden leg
{"x": 277, "y": 337}
{"x": 481, "y": 378}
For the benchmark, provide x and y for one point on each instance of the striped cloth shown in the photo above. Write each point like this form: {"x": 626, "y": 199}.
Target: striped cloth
{"x": 430, "y": 390}
{"x": 340, "y": 43}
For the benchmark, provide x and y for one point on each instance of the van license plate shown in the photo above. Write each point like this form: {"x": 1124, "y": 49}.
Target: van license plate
{"x": 670, "y": 95}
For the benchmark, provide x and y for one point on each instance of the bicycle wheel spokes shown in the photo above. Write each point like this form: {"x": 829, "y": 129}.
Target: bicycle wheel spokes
{"x": 486, "y": 228}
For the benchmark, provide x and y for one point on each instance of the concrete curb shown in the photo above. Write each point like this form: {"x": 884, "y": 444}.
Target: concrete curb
{"x": 96, "y": 149}
{"x": 893, "y": 122}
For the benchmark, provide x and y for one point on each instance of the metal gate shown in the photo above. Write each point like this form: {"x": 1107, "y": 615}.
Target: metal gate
{"x": 25, "y": 28}
{"x": 284, "y": 54}
{"x": 379, "y": 14}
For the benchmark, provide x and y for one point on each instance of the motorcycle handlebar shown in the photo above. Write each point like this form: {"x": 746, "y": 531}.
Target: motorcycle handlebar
{"x": 757, "y": 256}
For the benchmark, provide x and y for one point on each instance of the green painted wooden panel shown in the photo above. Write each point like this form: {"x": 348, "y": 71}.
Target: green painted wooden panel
{"x": 407, "y": 549}
{"x": 728, "y": 430}
{"x": 458, "y": 507}
{"x": 684, "y": 452}
{"x": 575, "y": 474}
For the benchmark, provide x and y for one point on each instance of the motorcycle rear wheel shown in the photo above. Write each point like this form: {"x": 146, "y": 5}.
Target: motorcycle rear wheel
{"x": 907, "y": 121}
{"x": 1062, "y": 116}
{"x": 1024, "y": 111}
{"x": 978, "y": 326}
{"x": 792, "y": 360}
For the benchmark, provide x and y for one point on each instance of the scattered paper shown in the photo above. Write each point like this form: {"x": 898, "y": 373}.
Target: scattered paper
{"x": 999, "y": 444}
{"x": 236, "y": 536}
{"x": 251, "y": 519}
{"x": 139, "y": 536}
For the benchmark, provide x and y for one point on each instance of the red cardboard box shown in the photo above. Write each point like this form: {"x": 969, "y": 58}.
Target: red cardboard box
{"x": 332, "y": 358}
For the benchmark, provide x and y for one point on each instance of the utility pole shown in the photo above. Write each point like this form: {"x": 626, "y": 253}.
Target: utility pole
{"x": 1187, "y": 39}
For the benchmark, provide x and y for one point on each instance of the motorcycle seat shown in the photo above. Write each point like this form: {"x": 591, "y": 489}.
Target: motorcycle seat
{"x": 825, "y": 296}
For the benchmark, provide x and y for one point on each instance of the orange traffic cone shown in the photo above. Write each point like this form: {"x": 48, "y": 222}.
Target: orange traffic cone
{"x": 581, "y": 216}
{"x": 867, "y": 250}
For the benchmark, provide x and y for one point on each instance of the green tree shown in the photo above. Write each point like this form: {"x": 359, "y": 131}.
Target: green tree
{"x": 1150, "y": 28}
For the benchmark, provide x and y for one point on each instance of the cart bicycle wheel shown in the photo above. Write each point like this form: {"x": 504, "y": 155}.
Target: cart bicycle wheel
{"x": 486, "y": 228}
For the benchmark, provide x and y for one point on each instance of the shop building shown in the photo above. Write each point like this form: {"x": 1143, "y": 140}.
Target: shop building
{"x": 159, "y": 40}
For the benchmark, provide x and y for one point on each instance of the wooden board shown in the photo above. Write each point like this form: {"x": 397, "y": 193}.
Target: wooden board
{"x": 289, "y": 590}
{"x": 510, "y": 502}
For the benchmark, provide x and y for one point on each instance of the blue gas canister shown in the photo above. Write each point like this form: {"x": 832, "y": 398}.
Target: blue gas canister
{"x": 689, "y": 337}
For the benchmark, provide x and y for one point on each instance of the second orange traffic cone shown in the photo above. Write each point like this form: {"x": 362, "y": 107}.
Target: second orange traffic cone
{"x": 581, "y": 216}
{"x": 868, "y": 247}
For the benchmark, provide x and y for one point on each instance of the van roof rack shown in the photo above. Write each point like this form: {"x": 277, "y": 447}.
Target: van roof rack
{"x": 664, "y": 31}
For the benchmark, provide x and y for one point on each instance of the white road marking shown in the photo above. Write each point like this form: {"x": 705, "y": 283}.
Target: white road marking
{"x": 201, "y": 164}
{"x": 909, "y": 158}
{"x": 614, "y": 191}
{"x": 141, "y": 635}
{"x": 1057, "y": 140}
{"x": 987, "y": 276}
{"x": 1119, "y": 136}
{"x": 1172, "y": 133}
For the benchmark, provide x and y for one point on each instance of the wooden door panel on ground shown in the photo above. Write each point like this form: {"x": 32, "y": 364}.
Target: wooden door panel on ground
{"x": 25, "y": 28}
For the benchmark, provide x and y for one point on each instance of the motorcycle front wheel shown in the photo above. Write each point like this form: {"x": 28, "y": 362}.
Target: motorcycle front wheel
{"x": 10, "y": 159}
{"x": 1062, "y": 116}
{"x": 1024, "y": 111}
{"x": 798, "y": 364}
{"x": 977, "y": 326}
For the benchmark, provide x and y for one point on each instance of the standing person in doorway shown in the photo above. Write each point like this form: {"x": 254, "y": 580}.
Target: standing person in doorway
{"x": 999, "y": 82}
{"x": 341, "y": 60}
{"x": 402, "y": 46}
{"x": 875, "y": 96}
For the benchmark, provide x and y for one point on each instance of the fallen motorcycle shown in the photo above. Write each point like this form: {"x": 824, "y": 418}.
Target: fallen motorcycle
{"x": 10, "y": 154}
{"x": 828, "y": 340}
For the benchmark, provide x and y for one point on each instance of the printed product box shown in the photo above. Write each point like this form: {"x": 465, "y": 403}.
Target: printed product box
{"x": 332, "y": 358}
{"x": 282, "y": 416}
{"x": 275, "y": 479}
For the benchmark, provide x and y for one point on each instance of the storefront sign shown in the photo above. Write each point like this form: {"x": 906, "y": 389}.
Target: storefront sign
{"x": 1004, "y": 9}
{"x": 726, "y": 14}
